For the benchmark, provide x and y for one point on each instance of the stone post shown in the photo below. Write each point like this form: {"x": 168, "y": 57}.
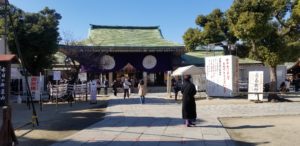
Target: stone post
{"x": 110, "y": 78}
{"x": 169, "y": 84}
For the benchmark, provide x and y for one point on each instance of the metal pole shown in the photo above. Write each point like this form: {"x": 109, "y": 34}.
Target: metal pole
{"x": 5, "y": 26}
{"x": 57, "y": 88}
{"x": 41, "y": 92}
{"x": 34, "y": 114}
{"x": 19, "y": 88}
{"x": 86, "y": 92}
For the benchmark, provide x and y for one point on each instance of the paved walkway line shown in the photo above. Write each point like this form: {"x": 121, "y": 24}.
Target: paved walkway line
{"x": 156, "y": 123}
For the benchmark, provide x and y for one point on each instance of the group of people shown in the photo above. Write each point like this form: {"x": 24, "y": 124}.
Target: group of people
{"x": 285, "y": 86}
{"x": 127, "y": 89}
{"x": 188, "y": 96}
{"x": 103, "y": 85}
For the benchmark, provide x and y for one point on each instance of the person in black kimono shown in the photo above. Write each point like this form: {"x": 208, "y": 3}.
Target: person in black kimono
{"x": 106, "y": 84}
{"x": 188, "y": 101}
{"x": 114, "y": 87}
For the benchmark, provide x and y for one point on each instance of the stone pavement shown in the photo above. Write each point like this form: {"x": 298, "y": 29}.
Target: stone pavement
{"x": 158, "y": 122}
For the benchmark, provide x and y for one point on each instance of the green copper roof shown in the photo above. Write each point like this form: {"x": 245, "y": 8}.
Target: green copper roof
{"x": 248, "y": 61}
{"x": 127, "y": 36}
{"x": 198, "y": 57}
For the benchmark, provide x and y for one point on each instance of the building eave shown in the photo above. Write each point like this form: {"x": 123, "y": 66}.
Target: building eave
{"x": 109, "y": 49}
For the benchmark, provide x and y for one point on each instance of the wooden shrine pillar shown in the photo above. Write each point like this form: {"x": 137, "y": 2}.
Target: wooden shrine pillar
{"x": 7, "y": 134}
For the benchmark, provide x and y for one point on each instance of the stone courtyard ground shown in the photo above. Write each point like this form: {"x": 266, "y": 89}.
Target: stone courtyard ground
{"x": 54, "y": 123}
{"x": 158, "y": 122}
{"x": 267, "y": 130}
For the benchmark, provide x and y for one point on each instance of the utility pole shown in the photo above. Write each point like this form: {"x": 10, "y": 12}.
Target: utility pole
{"x": 7, "y": 134}
{"x": 5, "y": 26}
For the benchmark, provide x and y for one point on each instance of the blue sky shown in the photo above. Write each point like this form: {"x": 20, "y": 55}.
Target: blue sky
{"x": 173, "y": 16}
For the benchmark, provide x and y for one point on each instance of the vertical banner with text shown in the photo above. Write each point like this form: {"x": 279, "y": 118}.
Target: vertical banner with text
{"x": 222, "y": 74}
{"x": 256, "y": 85}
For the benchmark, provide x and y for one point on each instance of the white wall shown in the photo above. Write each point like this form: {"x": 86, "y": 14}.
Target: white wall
{"x": 221, "y": 75}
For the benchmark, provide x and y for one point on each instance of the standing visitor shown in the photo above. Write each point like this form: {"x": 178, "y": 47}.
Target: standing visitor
{"x": 126, "y": 87}
{"x": 288, "y": 84}
{"x": 114, "y": 87}
{"x": 130, "y": 86}
{"x": 98, "y": 86}
{"x": 177, "y": 87}
{"x": 70, "y": 91}
{"x": 173, "y": 81}
{"x": 283, "y": 87}
{"x": 106, "y": 84}
{"x": 49, "y": 89}
{"x": 142, "y": 91}
{"x": 188, "y": 101}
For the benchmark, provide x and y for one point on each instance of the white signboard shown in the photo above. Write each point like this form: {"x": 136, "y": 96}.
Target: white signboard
{"x": 36, "y": 84}
{"x": 82, "y": 77}
{"x": 56, "y": 75}
{"x": 222, "y": 74}
{"x": 256, "y": 84}
{"x": 93, "y": 90}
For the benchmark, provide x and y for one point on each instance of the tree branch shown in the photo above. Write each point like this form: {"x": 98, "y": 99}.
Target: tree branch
{"x": 279, "y": 20}
{"x": 284, "y": 26}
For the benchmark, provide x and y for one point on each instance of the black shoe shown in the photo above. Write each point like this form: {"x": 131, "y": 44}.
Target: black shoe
{"x": 192, "y": 124}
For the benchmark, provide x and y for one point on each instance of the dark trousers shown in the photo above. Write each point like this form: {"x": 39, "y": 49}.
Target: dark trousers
{"x": 126, "y": 93}
{"x": 99, "y": 90}
{"x": 105, "y": 90}
{"x": 115, "y": 91}
{"x": 142, "y": 99}
{"x": 176, "y": 94}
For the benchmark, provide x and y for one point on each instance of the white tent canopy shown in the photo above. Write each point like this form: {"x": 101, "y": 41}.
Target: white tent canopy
{"x": 187, "y": 70}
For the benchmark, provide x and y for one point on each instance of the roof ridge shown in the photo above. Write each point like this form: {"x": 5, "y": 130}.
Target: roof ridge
{"x": 122, "y": 27}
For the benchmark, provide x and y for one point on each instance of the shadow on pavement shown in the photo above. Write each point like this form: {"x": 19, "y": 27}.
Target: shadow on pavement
{"x": 142, "y": 142}
{"x": 250, "y": 126}
{"x": 243, "y": 143}
{"x": 136, "y": 100}
{"x": 62, "y": 125}
{"x": 120, "y": 121}
{"x": 71, "y": 120}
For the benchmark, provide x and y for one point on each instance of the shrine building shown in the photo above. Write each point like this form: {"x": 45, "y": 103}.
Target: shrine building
{"x": 137, "y": 52}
